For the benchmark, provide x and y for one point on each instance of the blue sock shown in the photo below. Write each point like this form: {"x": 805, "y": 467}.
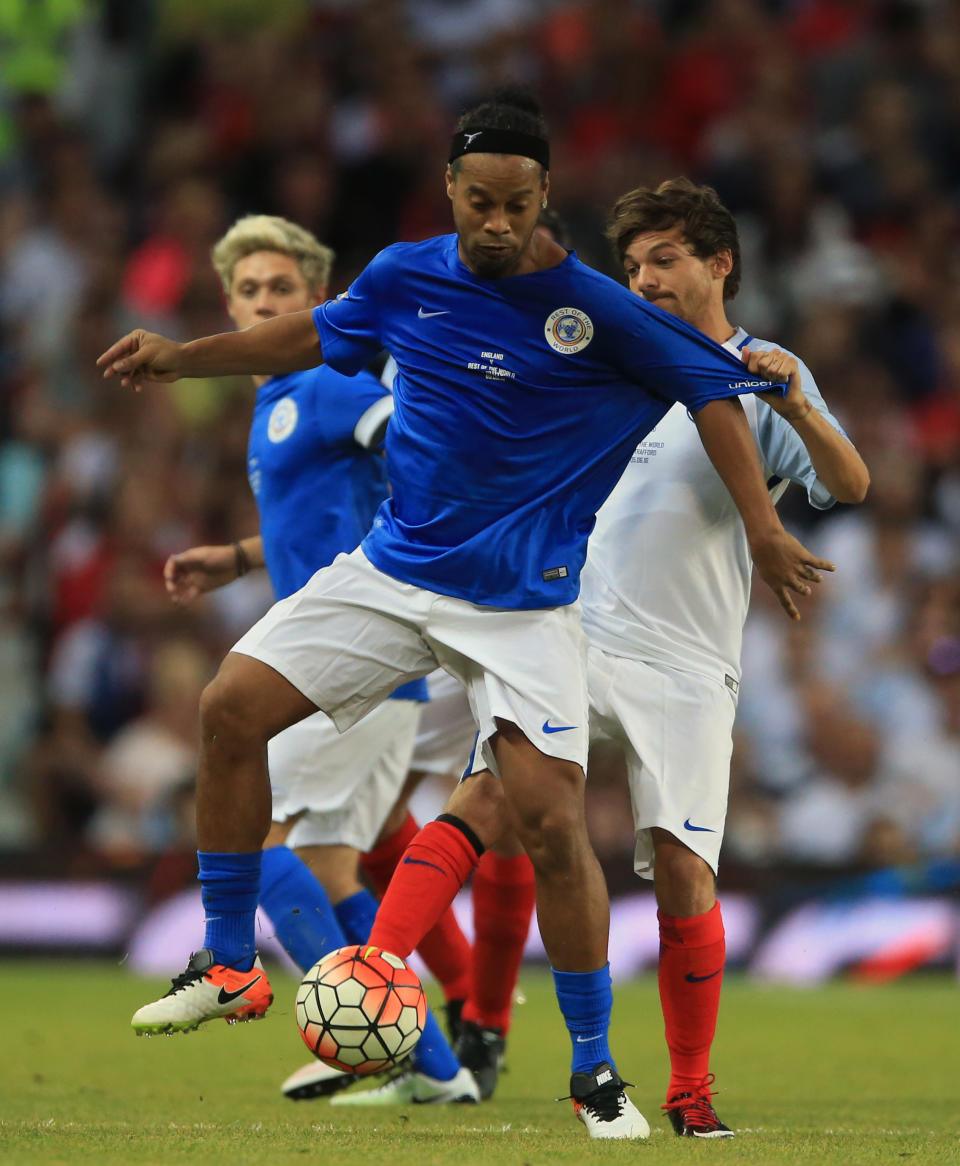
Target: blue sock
{"x": 433, "y": 1054}
{"x": 230, "y": 885}
{"x": 298, "y": 907}
{"x": 356, "y": 915}
{"x": 586, "y": 999}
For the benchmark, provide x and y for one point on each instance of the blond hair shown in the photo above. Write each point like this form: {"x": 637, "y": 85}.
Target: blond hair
{"x": 271, "y": 233}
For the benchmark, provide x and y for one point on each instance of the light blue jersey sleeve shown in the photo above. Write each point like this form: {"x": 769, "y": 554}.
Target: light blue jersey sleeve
{"x": 783, "y": 452}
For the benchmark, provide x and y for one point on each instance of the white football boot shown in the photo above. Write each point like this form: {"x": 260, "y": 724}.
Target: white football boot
{"x": 412, "y": 1088}
{"x": 316, "y": 1080}
{"x": 601, "y": 1104}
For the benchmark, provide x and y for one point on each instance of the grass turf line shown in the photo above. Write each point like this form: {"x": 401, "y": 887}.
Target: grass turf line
{"x": 845, "y": 1074}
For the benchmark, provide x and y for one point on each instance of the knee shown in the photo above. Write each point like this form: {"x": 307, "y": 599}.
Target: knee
{"x": 228, "y": 710}
{"x": 685, "y": 883}
{"x": 479, "y": 801}
{"x": 544, "y": 798}
{"x": 552, "y": 832}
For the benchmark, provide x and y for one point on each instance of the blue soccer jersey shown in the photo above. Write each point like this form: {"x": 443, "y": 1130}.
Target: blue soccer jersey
{"x": 317, "y": 487}
{"x": 518, "y": 404}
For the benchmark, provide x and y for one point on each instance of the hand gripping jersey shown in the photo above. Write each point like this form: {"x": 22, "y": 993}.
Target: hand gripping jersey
{"x": 668, "y": 570}
{"x": 316, "y": 485}
{"x": 519, "y": 401}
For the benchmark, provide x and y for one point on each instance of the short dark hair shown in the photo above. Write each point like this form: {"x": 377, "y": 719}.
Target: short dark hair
{"x": 512, "y": 107}
{"x": 707, "y": 225}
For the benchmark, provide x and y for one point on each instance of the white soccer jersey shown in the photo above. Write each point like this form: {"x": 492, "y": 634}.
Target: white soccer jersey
{"x": 667, "y": 578}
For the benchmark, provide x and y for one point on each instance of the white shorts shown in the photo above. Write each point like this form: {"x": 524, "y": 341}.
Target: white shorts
{"x": 677, "y": 732}
{"x": 352, "y": 634}
{"x": 446, "y": 734}
{"x": 344, "y": 784}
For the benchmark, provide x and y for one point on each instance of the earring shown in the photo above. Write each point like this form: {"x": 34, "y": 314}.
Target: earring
{"x": 543, "y": 205}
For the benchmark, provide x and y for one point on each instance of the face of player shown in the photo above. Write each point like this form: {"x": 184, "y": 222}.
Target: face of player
{"x": 496, "y": 200}
{"x": 661, "y": 267}
{"x": 266, "y": 284}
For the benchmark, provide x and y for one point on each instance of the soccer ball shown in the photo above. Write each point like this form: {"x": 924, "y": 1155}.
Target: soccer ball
{"x": 361, "y": 1009}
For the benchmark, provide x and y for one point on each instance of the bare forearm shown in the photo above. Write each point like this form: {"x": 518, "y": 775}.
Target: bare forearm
{"x": 783, "y": 563}
{"x": 253, "y": 550}
{"x": 839, "y": 467}
{"x": 283, "y": 344}
{"x": 730, "y": 445}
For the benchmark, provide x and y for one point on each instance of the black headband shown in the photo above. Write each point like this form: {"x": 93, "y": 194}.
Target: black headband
{"x": 500, "y": 142}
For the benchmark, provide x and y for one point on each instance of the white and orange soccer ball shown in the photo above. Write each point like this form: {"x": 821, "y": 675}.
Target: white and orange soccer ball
{"x": 361, "y": 1009}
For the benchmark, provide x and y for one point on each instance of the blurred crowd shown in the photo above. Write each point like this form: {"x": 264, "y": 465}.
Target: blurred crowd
{"x": 133, "y": 132}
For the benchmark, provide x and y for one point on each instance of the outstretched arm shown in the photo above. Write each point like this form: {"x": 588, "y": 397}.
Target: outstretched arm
{"x": 190, "y": 573}
{"x": 280, "y": 345}
{"x": 839, "y": 467}
{"x": 782, "y": 561}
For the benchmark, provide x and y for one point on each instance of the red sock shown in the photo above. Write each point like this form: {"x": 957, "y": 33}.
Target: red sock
{"x": 381, "y": 862}
{"x": 444, "y": 948}
{"x": 434, "y": 867}
{"x": 692, "y": 953}
{"x": 504, "y": 895}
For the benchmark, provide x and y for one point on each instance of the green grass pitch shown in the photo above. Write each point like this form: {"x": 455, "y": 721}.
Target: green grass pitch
{"x": 844, "y": 1074}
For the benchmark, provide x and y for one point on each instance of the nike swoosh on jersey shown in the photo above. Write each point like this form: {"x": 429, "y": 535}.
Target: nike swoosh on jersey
{"x": 423, "y": 862}
{"x": 700, "y": 829}
{"x": 692, "y": 979}
{"x": 421, "y": 314}
{"x": 548, "y": 728}
{"x": 225, "y": 997}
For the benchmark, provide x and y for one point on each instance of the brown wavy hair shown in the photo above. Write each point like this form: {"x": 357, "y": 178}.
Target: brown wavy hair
{"x": 707, "y": 225}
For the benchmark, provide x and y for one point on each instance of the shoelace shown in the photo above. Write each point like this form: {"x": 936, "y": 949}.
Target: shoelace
{"x": 185, "y": 979}
{"x": 697, "y": 1104}
{"x": 607, "y": 1102}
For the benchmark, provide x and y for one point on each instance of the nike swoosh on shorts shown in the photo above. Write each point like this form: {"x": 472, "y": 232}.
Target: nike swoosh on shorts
{"x": 700, "y": 829}
{"x": 548, "y": 728}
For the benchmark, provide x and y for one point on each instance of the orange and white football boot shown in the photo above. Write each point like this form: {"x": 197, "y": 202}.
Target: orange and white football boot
{"x": 206, "y": 991}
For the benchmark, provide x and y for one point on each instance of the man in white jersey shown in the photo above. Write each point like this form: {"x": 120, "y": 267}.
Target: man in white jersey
{"x": 665, "y": 594}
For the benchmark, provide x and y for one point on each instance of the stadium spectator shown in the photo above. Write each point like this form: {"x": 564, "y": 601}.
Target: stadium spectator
{"x": 148, "y": 760}
{"x": 828, "y": 820}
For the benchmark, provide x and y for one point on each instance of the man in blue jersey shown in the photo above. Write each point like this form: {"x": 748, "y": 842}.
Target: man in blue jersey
{"x": 315, "y": 469}
{"x": 664, "y": 656}
{"x": 525, "y": 382}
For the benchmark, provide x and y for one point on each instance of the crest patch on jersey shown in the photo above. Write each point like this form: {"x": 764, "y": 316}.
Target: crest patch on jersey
{"x": 283, "y": 419}
{"x": 568, "y": 330}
